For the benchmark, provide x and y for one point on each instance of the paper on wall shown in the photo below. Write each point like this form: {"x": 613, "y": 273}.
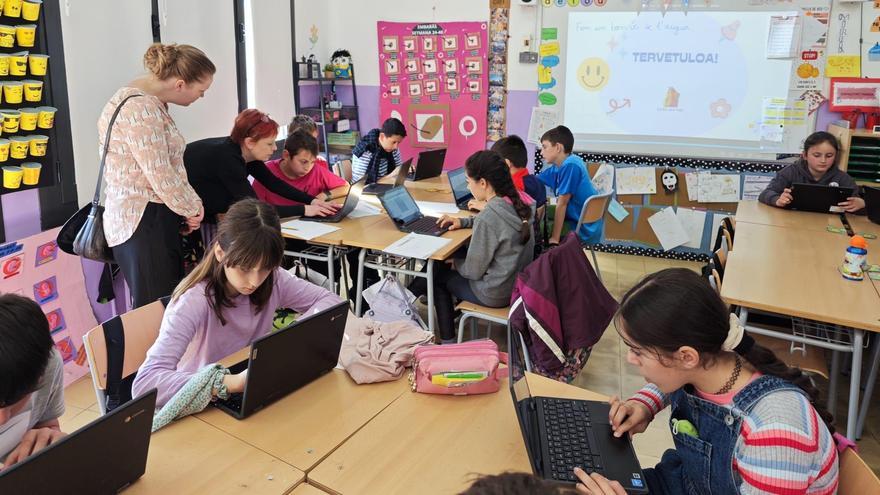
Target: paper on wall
{"x": 617, "y": 210}
{"x": 693, "y": 222}
{"x": 542, "y": 120}
{"x": 603, "y": 179}
{"x": 753, "y": 185}
{"x": 719, "y": 188}
{"x": 693, "y": 185}
{"x": 783, "y": 35}
{"x": 416, "y": 246}
{"x": 716, "y": 224}
{"x": 668, "y": 229}
{"x": 636, "y": 180}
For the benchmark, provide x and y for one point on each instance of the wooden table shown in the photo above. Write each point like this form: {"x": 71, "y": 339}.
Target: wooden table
{"x": 190, "y": 456}
{"x": 756, "y": 212}
{"x": 435, "y": 444}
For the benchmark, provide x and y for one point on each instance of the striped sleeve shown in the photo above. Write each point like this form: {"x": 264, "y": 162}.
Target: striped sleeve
{"x": 359, "y": 165}
{"x": 785, "y": 448}
{"x": 652, "y": 398}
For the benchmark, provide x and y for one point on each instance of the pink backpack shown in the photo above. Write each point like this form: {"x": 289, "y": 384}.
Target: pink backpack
{"x": 468, "y": 368}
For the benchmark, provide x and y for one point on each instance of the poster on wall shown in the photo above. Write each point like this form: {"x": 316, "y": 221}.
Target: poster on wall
{"x": 434, "y": 78}
{"x": 40, "y": 271}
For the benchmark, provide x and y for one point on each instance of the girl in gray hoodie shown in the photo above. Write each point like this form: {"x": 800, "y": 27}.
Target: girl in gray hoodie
{"x": 501, "y": 244}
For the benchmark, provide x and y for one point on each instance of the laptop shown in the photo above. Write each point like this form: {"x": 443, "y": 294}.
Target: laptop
{"x": 105, "y": 456}
{"x": 460, "y": 191}
{"x": 406, "y": 215}
{"x": 430, "y": 164}
{"x": 286, "y": 360}
{"x": 351, "y": 202}
{"x": 402, "y": 173}
{"x": 818, "y": 198}
{"x": 872, "y": 203}
{"x": 561, "y": 434}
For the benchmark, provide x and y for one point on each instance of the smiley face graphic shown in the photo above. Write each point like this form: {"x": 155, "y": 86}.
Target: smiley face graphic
{"x": 593, "y": 74}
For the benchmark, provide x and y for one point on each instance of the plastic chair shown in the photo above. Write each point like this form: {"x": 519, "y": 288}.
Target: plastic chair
{"x": 855, "y": 477}
{"x": 594, "y": 210}
{"x": 474, "y": 311}
{"x": 116, "y": 349}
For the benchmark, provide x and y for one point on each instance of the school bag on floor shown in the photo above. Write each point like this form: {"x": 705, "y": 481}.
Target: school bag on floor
{"x": 389, "y": 301}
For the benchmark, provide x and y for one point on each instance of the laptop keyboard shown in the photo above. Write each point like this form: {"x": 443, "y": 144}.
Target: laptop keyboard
{"x": 425, "y": 225}
{"x": 567, "y": 423}
{"x": 233, "y": 402}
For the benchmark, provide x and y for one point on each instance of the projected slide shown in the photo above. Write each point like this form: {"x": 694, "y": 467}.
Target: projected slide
{"x": 703, "y": 75}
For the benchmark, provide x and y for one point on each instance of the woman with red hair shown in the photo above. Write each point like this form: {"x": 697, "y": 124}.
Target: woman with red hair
{"x": 218, "y": 169}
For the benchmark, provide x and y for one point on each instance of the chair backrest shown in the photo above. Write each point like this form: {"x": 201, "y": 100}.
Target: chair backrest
{"x": 121, "y": 343}
{"x": 594, "y": 209}
{"x": 343, "y": 169}
{"x": 856, "y": 477}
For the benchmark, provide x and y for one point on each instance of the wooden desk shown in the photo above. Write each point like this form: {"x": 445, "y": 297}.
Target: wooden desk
{"x": 307, "y": 425}
{"x": 190, "y": 456}
{"x": 435, "y": 444}
{"x": 759, "y": 213}
{"x": 860, "y": 224}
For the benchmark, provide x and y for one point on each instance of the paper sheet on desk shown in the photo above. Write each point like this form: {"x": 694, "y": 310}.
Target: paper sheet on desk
{"x": 364, "y": 210}
{"x": 416, "y": 246}
{"x": 435, "y": 209}
{"x": 307, "y": 230}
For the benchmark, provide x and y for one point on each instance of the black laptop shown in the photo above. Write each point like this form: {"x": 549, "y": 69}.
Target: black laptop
{"x": 402, "y": 173}
{"x": 561, "y": 434}
{"x": 104, "y": 456}
{"x": 430, "y": 164}
{"x": 460, "y": 191}
{"x": 288, "y": 359}
{"x": 818, "y": 198}
{"x": 406, "y": 215}
{"x": 872, "y": 203}
{"x": 351, "y": 202}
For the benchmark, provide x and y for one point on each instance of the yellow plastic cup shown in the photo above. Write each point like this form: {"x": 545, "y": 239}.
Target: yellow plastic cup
{"x": 12, "y": 91}
{"x": 29, "y": 118}
{"x": 18, "y": 147}
{"x": 4, "y": 63}
{"x": 4, "y": 149}
{"x": 38, "y": 144}
{"x": 31, "y": 173}
{"x": 7, "y": 36}
{"x": 46, "y": 118}
{"x": 25, "y": 34}
{"x": 38, "y": 64}
{"x": 11, "y": 119}
{"x": 33, "y": 90}
{"x": 18, "y": 63}
{"x": 30, "y": 10}
{"x": 12, "y": 177}
{"x": 12, "y": 8}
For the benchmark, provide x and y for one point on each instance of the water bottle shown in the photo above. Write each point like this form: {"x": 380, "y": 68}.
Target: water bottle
{"x": 855, "y": 258}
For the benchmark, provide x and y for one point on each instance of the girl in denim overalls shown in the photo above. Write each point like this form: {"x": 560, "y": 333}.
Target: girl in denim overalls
{"x": 742, "y": 421}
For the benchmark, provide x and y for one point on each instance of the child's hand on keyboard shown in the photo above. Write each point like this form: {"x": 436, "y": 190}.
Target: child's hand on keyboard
{"x": 630, "y": 416}
{"x": 596, "y": 484}
{"x": 452, "y": 222}
{"x": 235, "y": 383}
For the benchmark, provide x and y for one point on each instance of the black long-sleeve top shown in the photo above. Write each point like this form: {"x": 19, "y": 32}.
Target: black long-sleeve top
{"x": 218, "y": 173}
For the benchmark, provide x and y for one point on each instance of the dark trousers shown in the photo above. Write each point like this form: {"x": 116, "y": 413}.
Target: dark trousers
{"x": 151, "y": 260}
{"x": 448, "y": 283}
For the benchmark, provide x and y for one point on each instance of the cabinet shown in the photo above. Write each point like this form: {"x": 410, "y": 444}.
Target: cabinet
{"x": 313, "y": 94}
{"x": 859, "y": 153}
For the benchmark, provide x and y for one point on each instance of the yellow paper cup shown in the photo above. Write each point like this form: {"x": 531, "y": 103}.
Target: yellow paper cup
{"x": 46, "y": 118}
{"x": 30, "y": 10}
{"x": 29, "y": 118}
{"x": 31, "y": 173}
{"x": 12, "y": 177}
{"x": 4, "y": 149}
{"x": 25, "y": 34}
{"x": 33, "y": 90}
{"x": 38, "y": 144}
{"x": 4, "y": 63}
{"x": 38, "y": 64}
{"x": 7, "y": 36}
{"x": 12, "y": 91}
{"x": 12, "y": 8}
{"x": 18, "y": 147}
{"x": 11, "y": 120}
{"x": 18, "y": 63}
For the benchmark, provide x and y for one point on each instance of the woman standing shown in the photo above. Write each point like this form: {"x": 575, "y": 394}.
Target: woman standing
{"x": 148, "y": 199}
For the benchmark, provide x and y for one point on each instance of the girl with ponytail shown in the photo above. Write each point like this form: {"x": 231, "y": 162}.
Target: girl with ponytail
{"x": 501, "y": 244}
{"x": 742, "y": 421}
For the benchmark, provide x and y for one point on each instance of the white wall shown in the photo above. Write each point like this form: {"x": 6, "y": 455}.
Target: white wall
{"x": 273, "y": 59}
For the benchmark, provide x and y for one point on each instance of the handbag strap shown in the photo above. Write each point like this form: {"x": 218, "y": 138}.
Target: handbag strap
{"x": 97, "y": 200}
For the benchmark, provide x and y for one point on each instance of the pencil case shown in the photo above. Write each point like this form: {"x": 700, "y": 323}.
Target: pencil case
{"x": 469, "y": 368}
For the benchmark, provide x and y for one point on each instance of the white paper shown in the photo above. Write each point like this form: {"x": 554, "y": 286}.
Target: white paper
{"x": 541, "y": 121}
{"x": 693, "y": 185}
{"x": 783, "y": 33}
{"x": 416, "y": 246}
{"x": 636, "y": 180}
{"x": 668, "y": 229}
{"x": 719, "y": 188}
{"x": 753, "y": 185}
{"x": 716, "y": 224}
{"x": 603, "y": 179}
{"x": 693, "y": 222}
{"x": 307, "y": 230}
{"x": 434, "y": 208}
{"x": 364, "y": 209}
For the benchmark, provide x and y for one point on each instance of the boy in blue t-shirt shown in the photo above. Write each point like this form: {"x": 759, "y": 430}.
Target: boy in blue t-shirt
{"x": 570, "y": 181}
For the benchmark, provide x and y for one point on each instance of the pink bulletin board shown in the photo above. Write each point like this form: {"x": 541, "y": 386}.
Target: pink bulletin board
{"x": 434, "y": 78}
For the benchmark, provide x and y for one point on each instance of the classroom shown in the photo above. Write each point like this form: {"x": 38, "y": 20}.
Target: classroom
{"x": 456, "y": 247}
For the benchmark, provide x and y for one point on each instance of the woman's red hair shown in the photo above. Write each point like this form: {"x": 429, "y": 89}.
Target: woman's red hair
{"x": 254, "y": 124}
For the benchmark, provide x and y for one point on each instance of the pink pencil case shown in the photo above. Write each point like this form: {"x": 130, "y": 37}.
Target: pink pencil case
{"x": 468, "y": 368}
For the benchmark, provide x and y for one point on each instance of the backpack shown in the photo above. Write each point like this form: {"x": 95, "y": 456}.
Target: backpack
{"x": 390, "y": 301}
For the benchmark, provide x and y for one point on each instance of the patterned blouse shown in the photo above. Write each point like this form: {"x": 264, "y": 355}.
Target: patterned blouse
{"x": 144, "y": 163}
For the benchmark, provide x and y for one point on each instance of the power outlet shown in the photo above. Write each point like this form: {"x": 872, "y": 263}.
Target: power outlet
{"x": 528, "y": 57}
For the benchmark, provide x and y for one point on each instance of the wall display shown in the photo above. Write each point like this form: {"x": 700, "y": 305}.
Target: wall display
{"x": 435, "y": 77}
{"x": 498, "y": 35}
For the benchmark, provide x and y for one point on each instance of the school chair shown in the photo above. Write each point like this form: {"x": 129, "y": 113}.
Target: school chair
{"x": 116, "y": 349}
{"x": 594, "y": 209}
{"x": 854, "y": 476}
{"x": 473, "y": 312}
{"x": 342, "y": 168}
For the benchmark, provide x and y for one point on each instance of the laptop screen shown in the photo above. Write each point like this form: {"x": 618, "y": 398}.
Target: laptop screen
{"x": 458, "y": 183}
{"x": 401, "y": 207}
{"x": 519, "y": 387}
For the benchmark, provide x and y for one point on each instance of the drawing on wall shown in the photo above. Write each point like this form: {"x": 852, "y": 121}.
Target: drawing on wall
{"x": 432, "y": 123}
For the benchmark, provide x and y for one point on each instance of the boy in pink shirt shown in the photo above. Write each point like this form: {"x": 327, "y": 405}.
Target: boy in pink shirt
{"x": 297, "y": 168}
{"x": 307, "y": 124}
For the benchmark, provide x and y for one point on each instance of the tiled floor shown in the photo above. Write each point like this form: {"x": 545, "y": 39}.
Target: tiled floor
{"x": 606, "y": 372}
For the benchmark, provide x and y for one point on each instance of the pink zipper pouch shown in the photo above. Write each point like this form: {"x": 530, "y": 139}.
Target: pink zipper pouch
{"x": 468, "y": 368}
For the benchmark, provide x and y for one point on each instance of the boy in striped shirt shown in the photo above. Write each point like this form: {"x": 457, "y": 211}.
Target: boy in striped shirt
{"x": 376, "y": 154}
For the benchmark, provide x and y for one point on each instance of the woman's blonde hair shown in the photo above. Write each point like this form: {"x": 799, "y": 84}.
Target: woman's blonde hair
{"x": 178, "y": 61}
{"x": 250, "y": 236}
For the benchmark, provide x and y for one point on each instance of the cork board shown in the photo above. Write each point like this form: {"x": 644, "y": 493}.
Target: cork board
{"x": 644, "y": 233}
{"x": 619, "y": 231}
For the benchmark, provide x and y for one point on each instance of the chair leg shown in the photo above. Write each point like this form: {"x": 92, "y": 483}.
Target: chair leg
{"x": 461, "y": 321}
{"x": 869, "y": 388}
{"x": 596, "y": 264}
